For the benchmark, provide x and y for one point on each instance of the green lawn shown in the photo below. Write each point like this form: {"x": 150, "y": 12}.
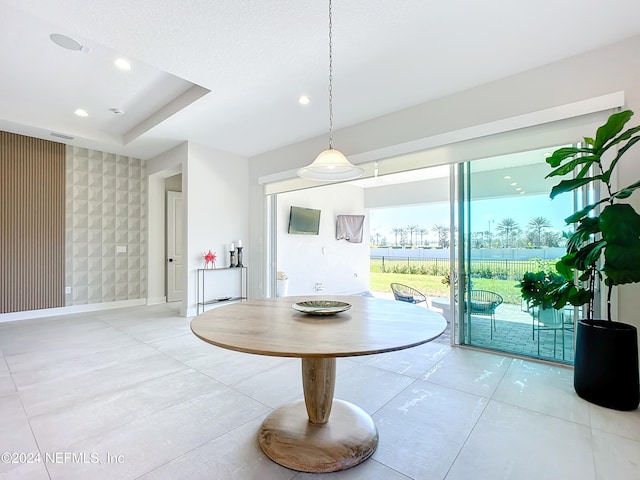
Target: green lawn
{"x": 432, "y": 286}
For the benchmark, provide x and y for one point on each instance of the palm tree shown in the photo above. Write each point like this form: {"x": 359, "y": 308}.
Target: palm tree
{"x": 442, "y": 232}
{"x": 537, "y": 226}
{"x": 397, "y": 231}
{"x": 422, "y": 232}
{"x": 507, "y": 228}
{"x": 477, "y": 239}
{"x": 410, "y": 229}
{"x": 403, "y": 237}
{"x": 552, "y": 239}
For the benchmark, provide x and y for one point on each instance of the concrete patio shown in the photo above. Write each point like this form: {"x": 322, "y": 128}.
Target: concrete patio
{"x": 514, "y": 333}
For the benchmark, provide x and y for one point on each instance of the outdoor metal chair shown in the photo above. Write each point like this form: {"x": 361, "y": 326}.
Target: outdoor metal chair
{"x": 403, "y": 293}
{"x": 484, "y": 303}
{"x": 552, "y": 319}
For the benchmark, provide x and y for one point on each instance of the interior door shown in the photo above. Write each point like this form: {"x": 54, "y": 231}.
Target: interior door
{"x": 175, "y": 268}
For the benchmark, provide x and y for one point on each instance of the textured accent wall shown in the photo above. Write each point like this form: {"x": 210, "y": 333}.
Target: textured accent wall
{"x": 32, "y": 242}
{"x": 106, "y": 212}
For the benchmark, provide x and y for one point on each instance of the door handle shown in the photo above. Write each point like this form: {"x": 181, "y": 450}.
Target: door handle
{"x": 169, "y": 260}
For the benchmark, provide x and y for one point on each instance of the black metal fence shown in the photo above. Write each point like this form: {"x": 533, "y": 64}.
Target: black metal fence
{"x": 498, "y": 269}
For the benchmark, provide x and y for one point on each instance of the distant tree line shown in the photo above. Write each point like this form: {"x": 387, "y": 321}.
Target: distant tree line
{"x": 507, "y": 234}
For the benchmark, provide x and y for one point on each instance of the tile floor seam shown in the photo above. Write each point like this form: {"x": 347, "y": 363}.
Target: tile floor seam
{"x": 624, "y": 437}
{"x": 504, "y": 373}
{"x": 200, "y": 446}
{"x": 413, "y": 380}
{"x": 464, "y": 443}
{"x": 175, "y": 358}
{"x": 117, "y": 391}
{"x": 292, "y": 399}
{"x": 232, "y": 387}
{"x": 34, "y": 385}
{"x": 72, "y": 357}
{"x": 450, "y": 387}
{"x": 593, "y": 453}
{"x": 35, "y": 439}
{"x": 540, "y": 413}
{"x": 33, "y": 434}
{"x": 393, "y": 469}
{"x": 109, "y": 430}
{"x": 536, "y": 412}
{"x": 372, "y": 414}
{"x": 132, "y": 336}
{"x": 457, "y": 389}
{"x": 113, "y": 427}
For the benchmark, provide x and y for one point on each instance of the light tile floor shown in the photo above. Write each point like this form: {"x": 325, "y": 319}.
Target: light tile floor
{"x": 133, "y": 394}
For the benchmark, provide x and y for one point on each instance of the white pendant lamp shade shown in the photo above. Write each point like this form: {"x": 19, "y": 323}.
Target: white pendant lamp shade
{"x": 330, "y": 165}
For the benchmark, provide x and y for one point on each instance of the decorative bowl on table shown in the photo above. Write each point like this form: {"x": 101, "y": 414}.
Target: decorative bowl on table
{"x": 321, "y": 307}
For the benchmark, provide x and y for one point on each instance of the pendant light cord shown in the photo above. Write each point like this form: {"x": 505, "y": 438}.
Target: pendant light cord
{"x": 330, "y": 78}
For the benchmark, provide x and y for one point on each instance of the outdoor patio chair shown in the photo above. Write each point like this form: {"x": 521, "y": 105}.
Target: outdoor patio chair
{"x": 551, "y": 319}
{"x": 403, "y": 293}
{"x": 484, "y": 303}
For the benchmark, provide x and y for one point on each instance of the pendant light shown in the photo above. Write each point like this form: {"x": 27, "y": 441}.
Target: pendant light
{"x": 331, "y": 164}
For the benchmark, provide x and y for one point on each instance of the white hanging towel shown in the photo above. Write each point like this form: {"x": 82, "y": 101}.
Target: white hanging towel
{"x": 349, "y": 228}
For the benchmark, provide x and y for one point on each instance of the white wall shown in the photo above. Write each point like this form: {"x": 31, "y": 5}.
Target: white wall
{"x": 342, "y": 267}
{"x": 216, "y": 206}
{"x": 599, "y": 72}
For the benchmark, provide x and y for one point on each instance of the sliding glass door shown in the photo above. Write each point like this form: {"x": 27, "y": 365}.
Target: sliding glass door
{"x": 507, "y": 225}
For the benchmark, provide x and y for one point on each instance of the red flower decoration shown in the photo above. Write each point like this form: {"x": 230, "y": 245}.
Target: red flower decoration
{"x": 210, "y": 258}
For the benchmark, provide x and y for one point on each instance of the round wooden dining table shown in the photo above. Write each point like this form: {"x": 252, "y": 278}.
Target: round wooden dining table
{"x": 319, "y": 433}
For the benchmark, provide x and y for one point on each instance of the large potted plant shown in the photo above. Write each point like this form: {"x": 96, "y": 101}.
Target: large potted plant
{"x": 538, "y": 288}
{"x": 603, "y": 248}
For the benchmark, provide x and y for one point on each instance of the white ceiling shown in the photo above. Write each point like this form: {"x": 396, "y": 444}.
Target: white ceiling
{"x": 257, "y": 57}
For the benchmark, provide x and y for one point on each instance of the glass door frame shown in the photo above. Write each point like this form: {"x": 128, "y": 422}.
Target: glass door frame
{"x": 460, "y": 255}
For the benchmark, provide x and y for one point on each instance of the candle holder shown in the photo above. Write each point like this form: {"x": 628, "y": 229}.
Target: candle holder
{"x": 239, "y": 257}
{"x": 232, "y": 259}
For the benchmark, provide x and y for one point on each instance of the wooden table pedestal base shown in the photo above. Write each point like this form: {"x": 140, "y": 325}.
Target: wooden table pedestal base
{"x": 348, "y": 438}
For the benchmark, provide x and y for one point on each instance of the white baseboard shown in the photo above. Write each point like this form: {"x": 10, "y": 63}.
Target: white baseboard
{"x": 156, "y": 300}
{"x": 51, "y": 312}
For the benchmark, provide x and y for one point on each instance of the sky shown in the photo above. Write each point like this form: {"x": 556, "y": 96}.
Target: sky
{"x": 485, "y": 214}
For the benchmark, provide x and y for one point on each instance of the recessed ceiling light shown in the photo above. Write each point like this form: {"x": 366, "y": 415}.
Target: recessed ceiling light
{"x": 513, "y": 184}
{"x": 304, "y": 100}
{"x": 67, "y": 42}
{"x": 122, "y": 64}
{"x": 518, "y": 189}
{"x": 507, "y": 177}
{"x": 81, "y": 113}
{"x": 522, "y": 192}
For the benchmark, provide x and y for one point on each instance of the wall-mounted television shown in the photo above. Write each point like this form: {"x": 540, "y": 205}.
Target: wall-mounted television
{"x": 304, "y": 221}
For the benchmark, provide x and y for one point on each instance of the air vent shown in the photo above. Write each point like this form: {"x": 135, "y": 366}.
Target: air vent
{"x": 61, "y": 135}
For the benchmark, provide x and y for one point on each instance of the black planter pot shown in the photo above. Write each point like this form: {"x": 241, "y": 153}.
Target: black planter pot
{"x": 606, "y": 364}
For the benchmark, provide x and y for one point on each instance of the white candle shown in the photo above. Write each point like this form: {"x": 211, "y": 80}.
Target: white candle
{"x": 239, "y": 243}
{"x": 233, "y": 247}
